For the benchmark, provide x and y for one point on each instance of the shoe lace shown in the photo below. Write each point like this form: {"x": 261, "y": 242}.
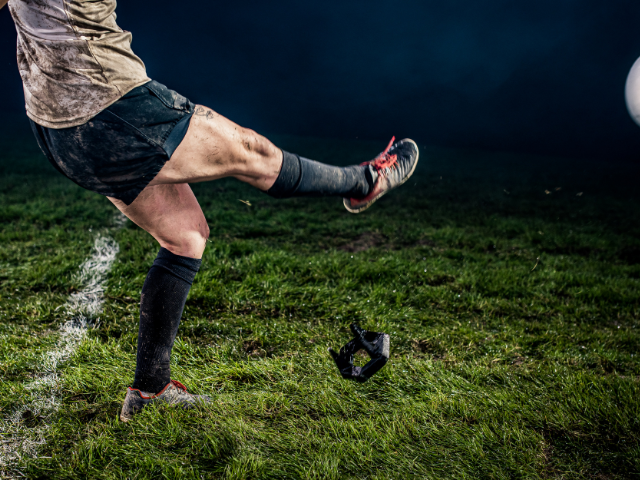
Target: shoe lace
{"x": 179, "y": 385}
{"x": 384, "y": 162}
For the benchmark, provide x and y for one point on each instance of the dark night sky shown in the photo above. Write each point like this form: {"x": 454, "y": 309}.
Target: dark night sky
{"x": 537, "y": 76}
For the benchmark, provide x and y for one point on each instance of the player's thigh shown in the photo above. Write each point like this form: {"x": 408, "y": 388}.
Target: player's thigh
{"x": 172, "y": 215}
{"x": 215, "y": 147}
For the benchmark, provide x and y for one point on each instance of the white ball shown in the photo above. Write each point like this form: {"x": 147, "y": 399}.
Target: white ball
{"x": 632, "y": 92}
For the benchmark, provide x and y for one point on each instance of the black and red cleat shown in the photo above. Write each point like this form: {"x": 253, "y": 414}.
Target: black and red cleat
{"x": 392, "y": 168}
{"x": 174, "y": 393}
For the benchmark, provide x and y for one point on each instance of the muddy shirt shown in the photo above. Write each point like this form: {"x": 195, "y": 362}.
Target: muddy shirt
{"x": 73, "y": 58}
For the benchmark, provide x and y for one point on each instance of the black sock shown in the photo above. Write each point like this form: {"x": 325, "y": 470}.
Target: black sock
{"x": 301, "y": 177}
{"x": 163, "y": 297}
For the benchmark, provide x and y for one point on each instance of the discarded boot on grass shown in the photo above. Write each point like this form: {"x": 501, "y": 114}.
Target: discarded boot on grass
{"x": 174, "y": 393}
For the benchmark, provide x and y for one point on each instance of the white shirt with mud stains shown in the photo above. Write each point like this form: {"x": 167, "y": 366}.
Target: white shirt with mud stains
{"x": 73, "y": 58}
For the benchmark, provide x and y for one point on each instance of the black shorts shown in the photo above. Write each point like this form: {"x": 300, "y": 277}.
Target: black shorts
{"x": 120, "y": 150}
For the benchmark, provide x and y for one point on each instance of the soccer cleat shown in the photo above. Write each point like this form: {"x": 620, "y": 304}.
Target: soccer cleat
{"x": 174, "y": 393}
{"x": 393, "y": 167}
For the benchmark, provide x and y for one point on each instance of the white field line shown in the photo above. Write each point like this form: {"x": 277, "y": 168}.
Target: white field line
{"x": 82, "y": 308}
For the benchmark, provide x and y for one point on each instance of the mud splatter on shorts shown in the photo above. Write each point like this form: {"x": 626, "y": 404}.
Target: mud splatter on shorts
{"x": 120, "y": 150}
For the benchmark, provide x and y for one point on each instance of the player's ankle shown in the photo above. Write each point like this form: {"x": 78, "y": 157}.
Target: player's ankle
{"x": 150, "y": 385}
{"x": 371, "y": 176}
{"x": 366, "y": 179}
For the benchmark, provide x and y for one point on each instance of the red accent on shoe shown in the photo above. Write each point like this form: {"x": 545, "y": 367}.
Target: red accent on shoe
{"x": 372, "y": 194}
{"x": 179, "y": 385}
{"x": 151, "y": 397}
{"x": 383, "y": 162}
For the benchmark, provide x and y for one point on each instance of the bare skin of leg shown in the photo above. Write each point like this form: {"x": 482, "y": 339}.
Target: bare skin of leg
{"x": 172, "y": 215}
{"x": 214, "y": 147}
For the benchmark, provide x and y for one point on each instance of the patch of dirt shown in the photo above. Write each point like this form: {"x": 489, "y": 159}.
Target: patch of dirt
{"x": 607, "y": 365}
{"x": 422, "y": 346}
{"x": 425, "y": 242}
{"x": 438, "y": 280}
{"x": 547, "y": 455}
{"x": 429, "y": 348}
{"x": 30, "y": 419}
{"x": 364, "y": 242}
{"x": 253, "y": 348}
{"x": 517, "y": 361}
{"x": 88, "y": 414}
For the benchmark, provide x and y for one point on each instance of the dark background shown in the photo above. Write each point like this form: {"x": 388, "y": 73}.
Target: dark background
{"x": 532, "y": 76}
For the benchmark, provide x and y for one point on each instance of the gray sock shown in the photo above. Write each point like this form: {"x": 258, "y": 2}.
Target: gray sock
{"x": 301, "y": 177}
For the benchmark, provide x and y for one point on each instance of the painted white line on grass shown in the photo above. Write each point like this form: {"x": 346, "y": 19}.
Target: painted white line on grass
{"x": 17, "y": 440}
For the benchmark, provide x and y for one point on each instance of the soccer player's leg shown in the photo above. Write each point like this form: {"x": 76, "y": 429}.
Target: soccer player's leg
{"x": 172, "y": 215}
{"x": 214, "y": 147}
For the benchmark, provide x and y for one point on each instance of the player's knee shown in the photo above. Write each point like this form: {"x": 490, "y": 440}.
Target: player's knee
{"x": 188, "y": 242}
{"x": 205, "y": 232}
{"x": 256, "y": 145}
{"x": 197, "y": 239}
{"x": 191, "y": 244}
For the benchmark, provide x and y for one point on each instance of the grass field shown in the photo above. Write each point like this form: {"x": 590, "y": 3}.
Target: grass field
{"x": 514, "y": 317}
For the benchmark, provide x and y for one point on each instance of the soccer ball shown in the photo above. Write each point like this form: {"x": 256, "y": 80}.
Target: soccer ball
{"x": 632, "y": 92}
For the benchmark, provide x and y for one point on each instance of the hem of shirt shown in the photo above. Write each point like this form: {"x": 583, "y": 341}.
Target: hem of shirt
{"x": 76, "y": 121}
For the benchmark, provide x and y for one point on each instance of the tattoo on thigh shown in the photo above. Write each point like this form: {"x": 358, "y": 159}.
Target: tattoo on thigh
{"x": 201, "y": 111}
